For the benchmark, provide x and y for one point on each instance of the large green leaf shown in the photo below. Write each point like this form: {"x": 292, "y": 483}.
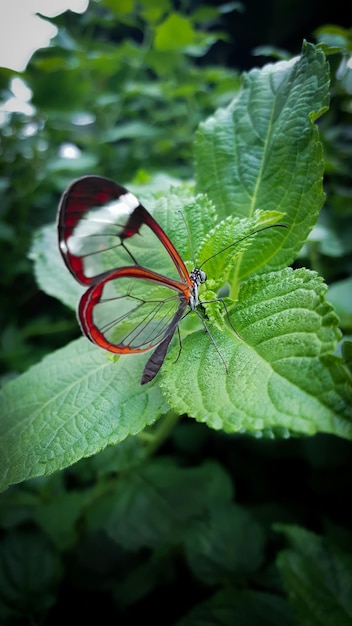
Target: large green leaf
{"x": 71, "y": 405}
{"x": 263, "y": 150}
{"x": 282, "y": 374}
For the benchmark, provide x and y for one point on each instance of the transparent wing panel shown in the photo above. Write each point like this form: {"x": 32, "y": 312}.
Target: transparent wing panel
{"x": 101, "y": 227}
{"x": 131, "y": 313}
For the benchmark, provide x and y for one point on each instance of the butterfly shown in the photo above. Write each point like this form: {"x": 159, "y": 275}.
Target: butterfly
{"x": 127, "y": 308}
{"x": 130, "y": 309}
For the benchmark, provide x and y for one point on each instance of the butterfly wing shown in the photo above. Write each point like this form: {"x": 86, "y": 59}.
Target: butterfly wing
{"x": 132, "y": 310}
{"x": 102, "y": 226}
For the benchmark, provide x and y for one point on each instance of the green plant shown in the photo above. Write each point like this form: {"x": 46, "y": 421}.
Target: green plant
{"x": 288, "y": 331}
{"x": 150, "y": 516}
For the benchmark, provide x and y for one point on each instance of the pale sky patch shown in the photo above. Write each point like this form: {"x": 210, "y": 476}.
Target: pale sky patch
{"x": 23, "y": 31}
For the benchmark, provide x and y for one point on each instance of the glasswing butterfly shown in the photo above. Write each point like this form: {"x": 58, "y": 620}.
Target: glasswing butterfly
{"x": 127, "y": 308}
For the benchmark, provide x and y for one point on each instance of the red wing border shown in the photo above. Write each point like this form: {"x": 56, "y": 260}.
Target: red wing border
{"x": 132, "y": 310}
{"x": 96, "y": 219}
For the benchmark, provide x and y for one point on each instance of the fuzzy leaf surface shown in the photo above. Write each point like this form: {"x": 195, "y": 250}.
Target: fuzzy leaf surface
{"x": 71, "y": 405}
{"x": 282, "y": 373}
{"x": 263, "y": 150}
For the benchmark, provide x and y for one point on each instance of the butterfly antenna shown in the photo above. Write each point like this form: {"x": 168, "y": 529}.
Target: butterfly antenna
{"x": 234, "y": 243}
{"x": 189, "y": 238}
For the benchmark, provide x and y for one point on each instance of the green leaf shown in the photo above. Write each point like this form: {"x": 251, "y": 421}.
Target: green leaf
{"x": 16, "y": 508}
{"x": 226, "y": 546}
{"x": 186, "y": 220}
{"x": 333, "y": 36}
{"x": 119, "y": 8}
{"x": 332, "y": 236}
{"x": 263, "y": 150}
{"x": 223, "y": 245}
{"x": 231, "y": 607}
{"x": 142, "y": 580}
{"x": 153, "y": 10}
{"x": 131, "y": 452}
{"x": 132, "y": 130}
{"x": 76, "y": 403}
{"x": 340, "y": 296}
{"x": 29, "y": 574}
{"x": 174, "y": 33}
{"x": 347, "y": 354}
{"x": 58, "y": 517}
{"x": 200, "y": 216}
{"x": 50, "y": 271}
{"x": 154, "y": 505}
{"x": 282, "y": 374}
{"x": 318, "y": 578}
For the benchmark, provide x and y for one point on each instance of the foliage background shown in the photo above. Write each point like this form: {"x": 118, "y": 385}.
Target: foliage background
{"x": 109, "y": 91}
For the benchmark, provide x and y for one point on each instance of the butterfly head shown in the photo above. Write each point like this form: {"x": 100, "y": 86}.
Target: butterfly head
{"x": 198, "y": 277}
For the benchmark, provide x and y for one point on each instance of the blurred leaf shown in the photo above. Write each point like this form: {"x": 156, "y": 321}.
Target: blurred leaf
{"x": 333, "y": 235}
{"x": 132, "y": 130}
{"x": 73, "y": 166}
{"x": 340, "y": 296}
{"x": 143, "y": 579}
{"x": 228, "y": 7}
{"x": 153, "y": 10}
{"x": 128, "y": 454}
{"x": 50, "y": 271}
{"x": 347, "y": 354}
{"x": 272, "y": 51}
{"x": 333, "y": 36}
{"x": 174, "y": 33}
{"x": 56, "y": 87}
{"x": 317, "y": 576}
{"x": 17, "y": 508}
{"x": 226, "y": 546}
{"x": 240, "y": 607}
{"x": 155, "y": 506}
{"x": 29, "y": 575}
{"x": 121, "y": 7}
{"x": 59, "y": 517}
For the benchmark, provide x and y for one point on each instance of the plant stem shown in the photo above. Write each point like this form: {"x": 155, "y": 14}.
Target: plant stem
{"x": 156, "y": 438}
